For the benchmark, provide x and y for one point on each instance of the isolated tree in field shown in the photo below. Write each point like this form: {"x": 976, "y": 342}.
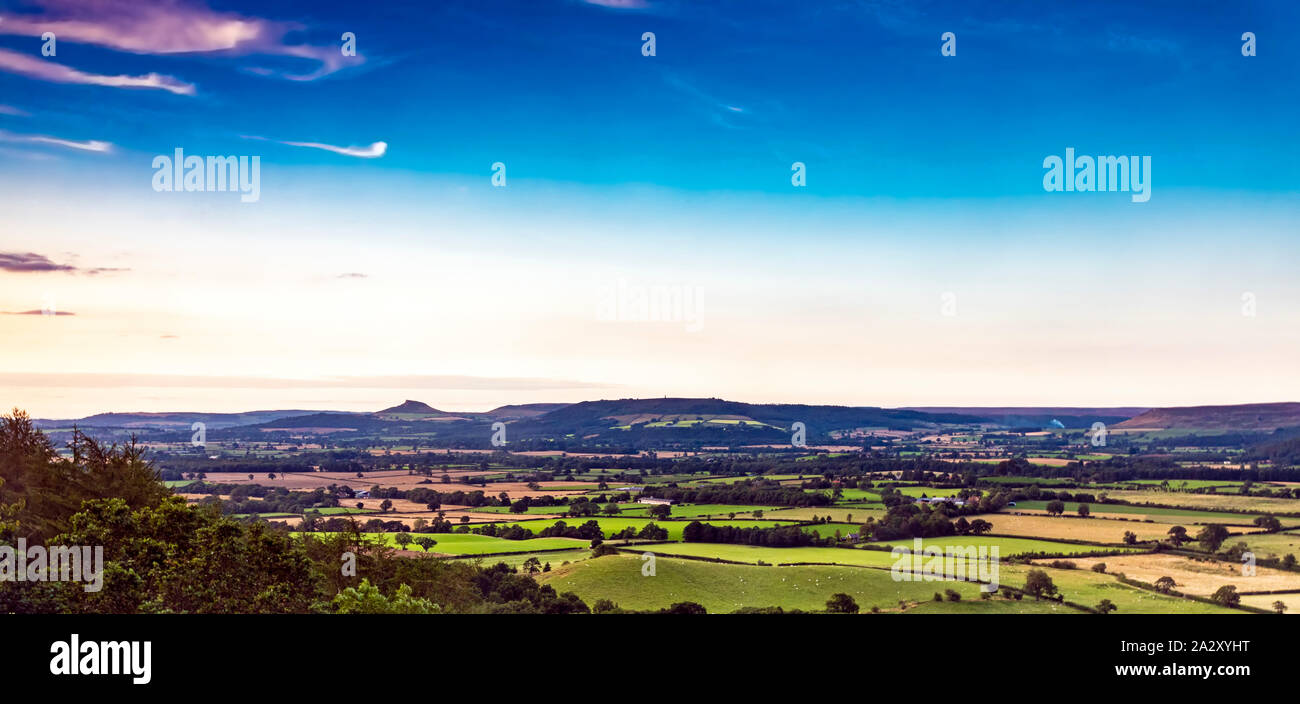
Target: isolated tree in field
{"x": 841, "y": 604}
{"x": 1178, "y": 535}
{"x": 1268, "y": 523}
{"x": 250, "y": 477}
{"x": 1226, "y": 596}
{"x": 360, "y": 505}
{"x": 425, "y": 543}
{"x": 758, "y": 513}
{"x": 1106, "y": 606}
{"x": 979, "y": 526}
{"x": 402, "y": 539}
{"x": 661, "y": 511}
{"x": 1212, "y": 536}
{"x": 1055, "y": 508}
{"x": 1279, "y": 607}
{"x": 270, "y": 475}
{"x": 1039, "y": 584}
{"x": 532, "y": 565}
{"x": 612, "y": 509}
{"x": 1166, "y": 584}
{"x": 1130, "y": 538}
{"x": 386, "y": 506}
{"x": 1084, "y": 511}
{"x": 952, "y": 594}
{"x": 1100, "y": 568}
{"x": 1289, "y": 561}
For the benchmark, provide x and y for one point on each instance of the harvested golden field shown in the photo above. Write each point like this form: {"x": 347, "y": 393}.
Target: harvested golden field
{"x": 1265, "y": 601}
{"x": 1192, "y": 577}
{"x": 1221, "y": 502}
{"x": 1098, "y": 530}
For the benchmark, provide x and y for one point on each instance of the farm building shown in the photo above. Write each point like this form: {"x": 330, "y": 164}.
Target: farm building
{"x": 648, "y": 500}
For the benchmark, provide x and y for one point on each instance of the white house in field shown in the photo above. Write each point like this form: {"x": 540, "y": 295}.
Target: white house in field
{"x": 362, "y": 494}
{"x": 651, "y": 500}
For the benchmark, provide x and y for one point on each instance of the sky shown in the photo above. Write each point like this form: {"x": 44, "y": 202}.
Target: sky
{"x": 487, "y": 202}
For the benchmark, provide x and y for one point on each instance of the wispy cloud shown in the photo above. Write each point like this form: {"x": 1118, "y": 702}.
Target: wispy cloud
{"x": 91, "y": 145}
{"x": 620, "y": 4}
{"x": 31, "y": 262}
{"x": 374, "y": 151}
{"x": 40, "y": 312}
{"x": 11, "y": 110}
{"x": 173, "y": 27}
{"x": 47, "y": 70}
{"x": 719, "y": 111}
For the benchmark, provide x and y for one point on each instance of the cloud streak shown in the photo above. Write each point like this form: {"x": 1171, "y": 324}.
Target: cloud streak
{"x": 374, "y": 151}
{"x": 46, "y": 70}
{"x": 33, "y": 263}
{"x": 92, "y": 145}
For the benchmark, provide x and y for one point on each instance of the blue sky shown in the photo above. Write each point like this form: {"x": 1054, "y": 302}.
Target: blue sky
{"x": 737, "y": 91}
{"x": 924, "y": 177}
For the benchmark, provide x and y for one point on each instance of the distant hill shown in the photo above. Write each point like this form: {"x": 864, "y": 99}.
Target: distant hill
{"x": 410, "y": 407}
{"x": 1249, "y": 416}
{"x": 595, "y": 416}
{"x": 523, "y": 410}
{"x": 1039, "y": 416}
{"x": 170, "y": 421}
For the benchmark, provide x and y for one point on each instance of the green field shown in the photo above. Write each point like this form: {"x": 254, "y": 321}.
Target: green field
{"x": 827, "y": 530}
{"x": 917, "y": 492}
{"x": 1172, "y": 515}
{"x": 1266, "y": 544}
{"x": 695, "y": 510}
{"x": 616, "y": 524}
{"x": 471, "y": 544}
{"x": 844, "y": 513}
{"x": 555, "y": 557}
{"x": 1007, "y": 547}
{"x": 1178, "y": 484}
{"x": 1025, "y": 481}
{"x": 722, "y": 588}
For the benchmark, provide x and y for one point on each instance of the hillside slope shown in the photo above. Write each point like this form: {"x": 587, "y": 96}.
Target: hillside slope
{"x": 1250, "y": 416}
